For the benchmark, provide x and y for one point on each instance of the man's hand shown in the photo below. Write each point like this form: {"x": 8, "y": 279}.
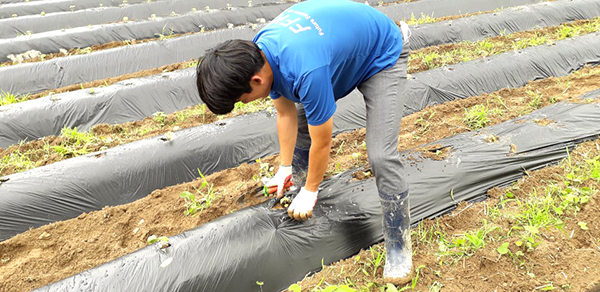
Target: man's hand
{"x": 281, "y": 180}
{"x": 303, "y": 204}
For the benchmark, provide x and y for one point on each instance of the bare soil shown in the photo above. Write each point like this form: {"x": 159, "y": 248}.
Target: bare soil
{"x": 122, "y": 133}
{"x": 143, "y": 73}
{"x": 58, "y": 250}
{"x": 566, "y": 260}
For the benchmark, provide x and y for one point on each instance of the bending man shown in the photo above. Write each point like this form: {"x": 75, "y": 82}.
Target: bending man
{"x": 311, "y": 55}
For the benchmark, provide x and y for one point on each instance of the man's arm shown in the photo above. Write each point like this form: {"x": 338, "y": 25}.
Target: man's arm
{"x": 287, "y": 128}
{"x": 319, "y": 154}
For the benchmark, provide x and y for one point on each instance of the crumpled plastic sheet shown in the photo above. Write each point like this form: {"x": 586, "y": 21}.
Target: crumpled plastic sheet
{"x": 11, "y": 27}
{"x": 14, "y": 1}
{"x": 52, "y": 41}
{"x": 36, "y": 7}
{"x": 123, "y": 174}
{"x": 506, "y": 21}
{"x": 23, "y": 8}
{"x": 59, "y": 72}
{"x": 513, "y": 69}
{"x": 233, "y": 252}
{"x": 145, "y": 172}
{"x": 79, "y": 37}
{"x": 173, "y": 91}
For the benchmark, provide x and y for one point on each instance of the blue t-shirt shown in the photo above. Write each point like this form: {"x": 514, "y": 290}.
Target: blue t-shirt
{"x": 322, "y": 50}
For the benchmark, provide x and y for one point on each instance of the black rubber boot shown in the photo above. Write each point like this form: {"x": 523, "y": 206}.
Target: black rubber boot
{"x": 396, "y": 232}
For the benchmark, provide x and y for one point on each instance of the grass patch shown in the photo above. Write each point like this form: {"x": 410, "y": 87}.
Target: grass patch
{"x": 429, "y": 58}
{"x": 513, "y": 228}
{"x": 478, "y": 116}
{"x": 7, "y": 98}
{"x": 75, "y": 143}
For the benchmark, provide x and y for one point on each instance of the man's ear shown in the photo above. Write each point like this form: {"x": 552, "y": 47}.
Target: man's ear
{"x": 257, "y": 79}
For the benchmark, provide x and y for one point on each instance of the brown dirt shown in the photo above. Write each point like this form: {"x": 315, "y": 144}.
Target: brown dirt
{"x": 416, "y": 64}
{"x": 111, "y": 135}
{"x": 58, "y": 250}
{"x": 501, "y": 44}
{"x": 568, "y": 260}
{"x": 170, "y": 67}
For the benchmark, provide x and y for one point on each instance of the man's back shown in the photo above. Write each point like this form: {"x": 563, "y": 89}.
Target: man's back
{"x": 339, "y": 42}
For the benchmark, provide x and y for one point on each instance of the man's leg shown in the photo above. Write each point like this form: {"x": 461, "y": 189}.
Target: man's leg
{"x": 384, "y": 99}
{"x": 303, "y": 142}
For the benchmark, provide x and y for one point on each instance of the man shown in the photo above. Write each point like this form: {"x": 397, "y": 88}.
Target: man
{"x": 311, "y": 55}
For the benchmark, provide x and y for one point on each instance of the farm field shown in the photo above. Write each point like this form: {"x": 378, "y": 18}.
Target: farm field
{"x": 535, "y": 230}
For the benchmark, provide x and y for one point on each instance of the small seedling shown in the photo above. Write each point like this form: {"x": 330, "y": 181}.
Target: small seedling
{"x": 160, "y": 117}
{"x": 163, "y": 241}
{"x": 423, "y": 19}
{"x": 423, "y": 122}
{"x": 534, "y": 99}
{"x": 503, "y": 248}
{"x": 194, "y": 204}
{"x": 164, "y": 35}
{"x": 264, "y": 171}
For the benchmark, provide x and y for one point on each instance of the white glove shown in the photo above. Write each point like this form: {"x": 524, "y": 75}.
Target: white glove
{"x": 282, "y": 178}
{"x": 303, "y": 204}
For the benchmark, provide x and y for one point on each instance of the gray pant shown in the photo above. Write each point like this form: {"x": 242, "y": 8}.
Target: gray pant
{"x": 384, "y": 99}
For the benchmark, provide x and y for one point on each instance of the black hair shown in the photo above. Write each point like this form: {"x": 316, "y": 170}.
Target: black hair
{"x": 224, "y": 73}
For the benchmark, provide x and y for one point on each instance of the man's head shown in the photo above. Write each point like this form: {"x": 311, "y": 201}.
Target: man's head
{"x": 232, "y": 71}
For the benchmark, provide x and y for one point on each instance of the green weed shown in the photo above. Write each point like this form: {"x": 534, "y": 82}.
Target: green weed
{"x": 201, "y": 200}
{"x": 466, "y": 244}
{"x": 160, "y": 118}
{"x": 534, "y": 99}
{"x": 423, "y": 19}
{"x": 253, "y": 106}
{"x": 569, "y": 31}
{"x": 75, "y": 143}
{"x": 477, "y": 116}
{"x": 423, "y": 123}
{"x": 7, "y": 98}
{"x": 163, "y": 35}
{"x": 264, "y": 170}
{"x": 84, "y": 51}
{"x": 18, "y": 161}
{"x": 537, "y": 40}
{"x": 196, "y": 111}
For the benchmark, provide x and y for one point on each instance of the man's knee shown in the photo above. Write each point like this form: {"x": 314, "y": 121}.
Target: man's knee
{"x": 378, "y": 159}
